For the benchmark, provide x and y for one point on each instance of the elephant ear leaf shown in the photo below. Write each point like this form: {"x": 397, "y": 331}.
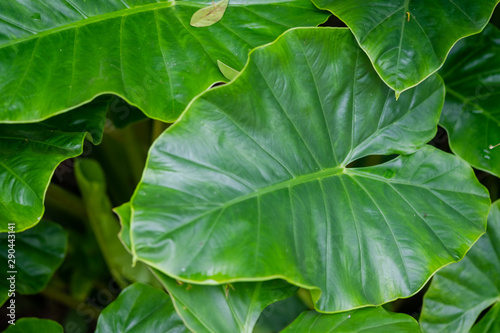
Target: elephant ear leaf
{"x": 255, "y": 180}
{"x": 409, "y": 40}
{"x": 145, "y": 52}
{"x": 32, "y": 152}
{"x": 209, "y": 15}
{"x": 365, "y": 320}
{"x": 460, "y": 292}
{"x": 471, "y": 112}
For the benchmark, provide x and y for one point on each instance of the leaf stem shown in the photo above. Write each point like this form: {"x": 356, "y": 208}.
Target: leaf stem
{"x": 61, "y": 201}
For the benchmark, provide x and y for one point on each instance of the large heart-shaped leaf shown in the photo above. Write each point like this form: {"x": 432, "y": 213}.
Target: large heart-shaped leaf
{"x": 238, "y": 305}
{"x": 471, "y": 113}
{"x": 372, "y": 320}
{"x": 253, "y": 181}
{"x": 29, "y": 154}
{"x": 459, "y": 293}
{"x": 409, "y": 40}
{"x": 59, "y": 55}
{"x": 140, "y": 308}
{"x": 38, "y": 253}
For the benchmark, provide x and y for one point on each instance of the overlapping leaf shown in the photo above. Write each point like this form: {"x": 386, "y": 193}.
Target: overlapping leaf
{"x": 409, "y": 40}
{"x": 253, "y": 181}
{"x": 459, "y": 293}
{"x": 238, "y": 305}
{"x": 59, "y": 55}
{"x": 38, "y": 253}
{"x": 471, "y": 113}
{"x": 372, "y": 320}
{"x": 490, "y": 323}
{"x": 140, "y": 308}
{"x": 29, "y": 154}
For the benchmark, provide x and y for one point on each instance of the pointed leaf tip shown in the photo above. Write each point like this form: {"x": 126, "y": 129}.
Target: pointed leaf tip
{"x": 228, "y": 72}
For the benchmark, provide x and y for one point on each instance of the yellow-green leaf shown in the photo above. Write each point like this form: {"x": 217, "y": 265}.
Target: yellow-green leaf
{"x": 209, "y": 15}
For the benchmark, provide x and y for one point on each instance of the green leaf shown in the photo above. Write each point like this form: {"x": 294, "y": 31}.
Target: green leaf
{"x": 145, "y": 51}
{"x": 30, "y": 154}
{"x": 253, "y": 182}
{"x": 228, "y": 72}
{"x": 38, "y": 254}
{"x": 278, "y": 315}
{"x": 409, "y": 40}
{"x": 238, "y": 305}
{"x": 140, "y": 308}
{"x": 92, "y": 183}
{"x": 490, "y": 323}
{"x": 124, "y": 215}
{"x": 471, "y": 113}
{"x": 459, "y": 293}
{"x": 373, "y": 320}
{"x": 209, "y": 15}
{"x": 34, "y": 325}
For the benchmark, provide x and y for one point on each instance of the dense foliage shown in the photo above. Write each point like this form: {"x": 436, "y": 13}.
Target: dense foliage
{"x": 250, "y": 166}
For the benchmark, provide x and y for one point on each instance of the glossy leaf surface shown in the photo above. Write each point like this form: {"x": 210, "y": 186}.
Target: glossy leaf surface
{"x": 243, "y": 187}
{"x": 459, "y": 293}
{"x": 471, "y": 113}
{"x": 370, "y": 320}
{"x": 29, "y": 154}
{"x": 38, "y": 254}
{"x": 32, "y": 325}
{"x": 140, "y": 308}
{"x": 142, "y": 50}
{"x": 238, "y": 305}
{"x": 408, "y": 40}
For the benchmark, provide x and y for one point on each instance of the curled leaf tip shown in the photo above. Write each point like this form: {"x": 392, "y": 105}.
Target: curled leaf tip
{"x": 209, "y": 15}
